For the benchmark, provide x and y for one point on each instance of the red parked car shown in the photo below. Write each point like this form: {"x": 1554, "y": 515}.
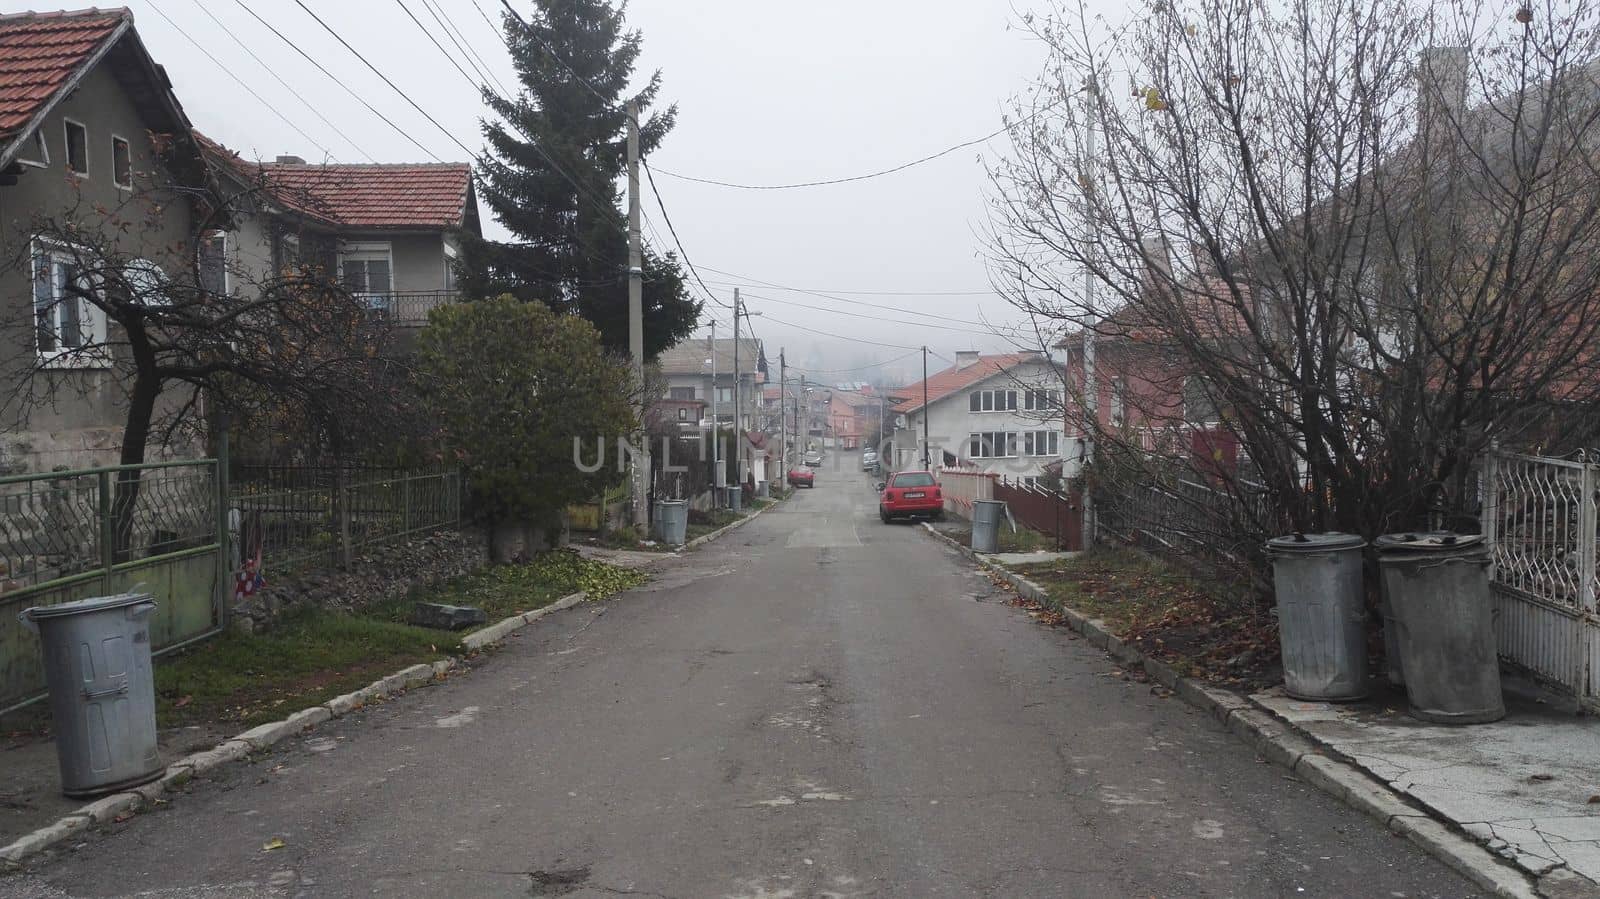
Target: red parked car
{"x": 799, "y": 476}
{"x": 911, "y": 494}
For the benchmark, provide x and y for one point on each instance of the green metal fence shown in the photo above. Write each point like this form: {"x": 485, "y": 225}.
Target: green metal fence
{"x": 315, "y": 522}
{"x": 67, "y": 535}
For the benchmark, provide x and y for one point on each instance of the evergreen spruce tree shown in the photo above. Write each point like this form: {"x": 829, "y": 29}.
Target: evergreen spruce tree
{"x": 551, "y": 177}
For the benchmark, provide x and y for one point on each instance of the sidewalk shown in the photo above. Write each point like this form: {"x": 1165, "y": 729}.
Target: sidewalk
{"x": 1527, "y": 786}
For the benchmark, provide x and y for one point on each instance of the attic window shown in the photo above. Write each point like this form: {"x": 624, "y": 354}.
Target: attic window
{"x": 40, "y": 150}
{"x": 77, "y": 148}
{"x": 121, "y": 163}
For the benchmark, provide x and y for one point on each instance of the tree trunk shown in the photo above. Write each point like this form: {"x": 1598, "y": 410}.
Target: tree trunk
{"x": 129, "y": 482}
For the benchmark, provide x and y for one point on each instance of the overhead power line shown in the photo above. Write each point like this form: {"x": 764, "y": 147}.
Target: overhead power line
{"x": 837, "y": 299}
{"x": 843, "y": 371}
{"x": 869, "y": 175}
{"x": 892, "y": 346}
{"x": 965, "y": 328}
{"x": 362, "y": 100}
{"x": 480, "y": 85}
{"x": 823, "y": 291}
{"x": 242, "y": 83}
{"x": 674, "y": 232}
{"x": 468, "y": 51}
{"x": 286, "y": 85}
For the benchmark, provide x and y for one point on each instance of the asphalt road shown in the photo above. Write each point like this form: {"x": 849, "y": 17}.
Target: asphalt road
{"x": 816, "y": 705}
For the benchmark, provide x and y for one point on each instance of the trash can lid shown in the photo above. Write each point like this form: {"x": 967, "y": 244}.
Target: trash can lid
{"x": 1311, "y": 543}
{"x": 1427, "y": 541}
{"x": 85, "y": 606}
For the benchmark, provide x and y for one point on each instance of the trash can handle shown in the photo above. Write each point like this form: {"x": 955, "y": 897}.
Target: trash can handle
{"x": 109, "y": 691}
{"x": 141, "y": 610}
{"x": 27, "y": 620}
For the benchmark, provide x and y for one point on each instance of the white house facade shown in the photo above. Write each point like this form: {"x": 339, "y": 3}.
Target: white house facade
{"x": 1000, "y": 413}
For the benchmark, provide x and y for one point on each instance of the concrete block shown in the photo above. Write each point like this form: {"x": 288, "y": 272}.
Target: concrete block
{"x": 265, "y": 735}
{"x": 568, "y": 601}
{"x": 1287, "y": 750}
{"x": 43, "y": 838}
{"x": 443, "y": 667}
{"x": 417, "y": 675}
{"x": 308, "y": 718}
{"x": 104, "y": 811}
{"x": 1324, "y": 773}
{"x": 1161, "y": 673}
{"x": 225, "y": 752}
{"x": 1467, "y": 858}
{"x": 344, "y": 705}
{"x": 445, "y": 617}
{"x": 1353, "y": 787}
{"x": 1094, "y": 631}
{"x": 175, "y": 778}
{"x": 1256, "y": 728}
{"x": 1123, "y": 651}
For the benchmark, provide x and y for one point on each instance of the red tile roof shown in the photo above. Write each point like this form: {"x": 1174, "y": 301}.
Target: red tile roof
{"x": 380, "y": 195}
{"x": 400, "y": 195}
{"x": 951, "y": 380}
{"x": 41, "y": 52}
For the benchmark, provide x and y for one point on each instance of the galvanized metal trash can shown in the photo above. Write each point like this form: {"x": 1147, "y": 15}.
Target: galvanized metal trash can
{"x": 102, "y": 693}
{"x": 1394, "y": 663}
{"x": 735, "y": 498}
{"x": 1438, "y": 587}
{"x": 672, "y": 521}
{"x": 986, "y": 517}
{"x": 1321, "y": 617}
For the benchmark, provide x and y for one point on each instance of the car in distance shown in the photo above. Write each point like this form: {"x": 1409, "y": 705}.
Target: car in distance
{"x": 869, "y": 461}
{"x": 813, "y": 459}
{"x": 910, "y": 494}
{"x": 802, "y": 477}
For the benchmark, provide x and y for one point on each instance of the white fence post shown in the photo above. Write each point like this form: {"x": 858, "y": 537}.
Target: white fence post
{"x": 1586, "y": 576}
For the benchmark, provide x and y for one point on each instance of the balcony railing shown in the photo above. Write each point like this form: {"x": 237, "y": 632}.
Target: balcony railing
{"x": 408, "y": 308}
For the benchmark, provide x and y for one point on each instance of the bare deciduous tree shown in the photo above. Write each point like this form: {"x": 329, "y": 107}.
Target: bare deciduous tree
{"x": 1360, "y": 241}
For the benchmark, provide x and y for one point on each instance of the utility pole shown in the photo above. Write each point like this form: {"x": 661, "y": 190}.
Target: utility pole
{"x": 1091, "y": 398}
{"x": 716, "y": 428}
{"x": 783, "y": 415}
{"x": 738, "y": 445}
{"x": 641, "y": 463}
{"x": 926, "y": 465}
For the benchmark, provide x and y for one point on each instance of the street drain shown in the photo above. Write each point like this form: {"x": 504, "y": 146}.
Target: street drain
{"x": 558, "y": 882}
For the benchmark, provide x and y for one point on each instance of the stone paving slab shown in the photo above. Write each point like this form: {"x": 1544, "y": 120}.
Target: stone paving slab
{"x": 1527, "y": 786}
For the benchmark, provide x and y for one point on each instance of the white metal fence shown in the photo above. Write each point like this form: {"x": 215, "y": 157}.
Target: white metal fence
{"x": 1539, "y": 514}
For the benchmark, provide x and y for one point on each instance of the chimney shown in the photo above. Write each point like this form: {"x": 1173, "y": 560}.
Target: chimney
{"x": 1441, "y": 86}
{"x": 289, "y": 160}
{"x": 965, "y": 358}
{"x": 1157, "y": 259}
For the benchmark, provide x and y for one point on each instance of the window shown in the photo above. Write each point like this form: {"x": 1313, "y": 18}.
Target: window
{"x": 1119, "y": 401}
{"x": 992, "y": 401}
{"x": 1199, "y": 406}
{"x": 680, "y": 393}
{"x": 992, "y": 445}
{"x": 214, "y": 263}
{"x": 724, "y": 394}
{"x": 40, "y": 150}
{"x": 683, "y": 413}
{"x": 1042, "y": 443}
{"x": 366, "y": 270}
{"x": 63, "y": 320}
{"x": 77, "y": 148}
{"x": 121, "y": 163}
{"x": 913, "y": 479}
{"x": 1041, "y": 400}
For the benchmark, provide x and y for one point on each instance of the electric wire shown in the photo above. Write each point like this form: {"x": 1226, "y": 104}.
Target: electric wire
{"x": 280, "y": 79}
{"x": 468, "y": 51}
{"x": 892, "y": 346}
{"x": 967, "y": 329}
{"x": 242, "y": 83}
{"x": 870, "y": 175}
{"x": 335, "y": 79}
{"x": 448, "y": 58}
{"x": 667, "y": 217}
{"x": 864, "y": 293}
{"x": 897, "y": 309}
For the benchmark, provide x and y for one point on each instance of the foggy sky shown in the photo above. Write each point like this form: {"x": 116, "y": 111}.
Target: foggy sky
{"x": 767, "y": 93}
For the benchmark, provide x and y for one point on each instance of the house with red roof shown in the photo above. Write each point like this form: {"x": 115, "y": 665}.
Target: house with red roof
{"x": 389, "y": 232}
{"x": 999, "y": 413}
{"x": 89, "y": 131}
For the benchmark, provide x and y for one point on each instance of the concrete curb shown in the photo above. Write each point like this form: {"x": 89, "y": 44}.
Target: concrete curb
{"x": 703, "y": 539}
{"x": 108, "y": 808}
{"x": 1281, "y": 743}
